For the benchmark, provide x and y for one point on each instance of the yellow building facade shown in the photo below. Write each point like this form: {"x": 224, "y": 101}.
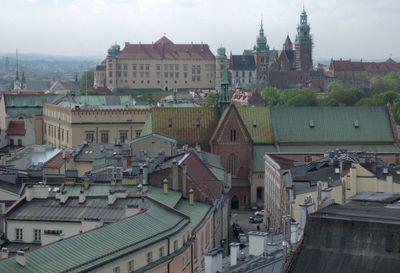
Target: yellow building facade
{"x": 67, "y": 125}
{"x": 160, "y": 65}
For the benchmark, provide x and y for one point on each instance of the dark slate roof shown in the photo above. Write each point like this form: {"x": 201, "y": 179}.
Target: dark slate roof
{"x": 350, "y": 238}
{"x": 243, "y": 62}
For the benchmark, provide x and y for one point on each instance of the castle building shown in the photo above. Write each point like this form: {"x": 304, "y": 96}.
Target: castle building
{"x": 162, "y": 65}
{"x": 286, "y": 68}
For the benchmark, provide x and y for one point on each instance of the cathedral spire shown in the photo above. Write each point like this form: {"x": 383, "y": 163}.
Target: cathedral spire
{"x": 261, "y": 43}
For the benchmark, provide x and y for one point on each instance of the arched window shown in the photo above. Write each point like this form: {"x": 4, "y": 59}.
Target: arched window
{"x": 232, "y": 161}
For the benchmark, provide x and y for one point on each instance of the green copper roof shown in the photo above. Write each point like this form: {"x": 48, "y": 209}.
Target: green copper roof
{"x": 163, "y": 137}
{"x": 27, "y": 105}
{"x": 107, "y": 102}
{"x": 258, "y": 122}
{"x": 92, "y": 249}
{"x": 197, "y": 212}
{"x": 148, "y": 125}
{"x": 332, "y": 125}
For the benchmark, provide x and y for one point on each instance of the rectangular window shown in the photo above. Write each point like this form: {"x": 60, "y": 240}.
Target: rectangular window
{"x": 134, "y": 74}
{"x": 147, "y": 67}
{"x": 104, "y": 137}
{"x": 149, "y": 257}
{"x": 37, "y": 236}
{"x": 62, "y": 134}
{"x": 125, "y": 67}
{"x": 123, "y": 136}
{"x": 233, "y": 135}
{"x": 158, "y": 75}
{"x": 45, "y": 126}
{"x": 134, "y": 67}
{"x": 19, "y": 142}
{"x": 175, "y": 245}
{"x": 260, "y": 193}
{"x": 171, "y": 67}
{"x": 19, "y": 234}
{"x": 185, "y": 67}
{"x": 117, "y": 269}
{"x": 131, "y": 266}
{"x": 147, "y": 75}
{"x": 89, "y": 136}
{"x": 158, "y": 67}
{"x": 161, "y": 251}
{"x": 67, "y": 136}
{"x": 177, "y": 67}
{"x": 165, "y": 67}
{"x": 176, "y": 74}
{"x": 141, "y": 74}
{"x": 141, "y": 67}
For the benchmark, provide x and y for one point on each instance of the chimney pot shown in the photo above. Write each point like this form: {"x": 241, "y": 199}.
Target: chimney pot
{"x": 165, "y": 185}
{"x": 191, "y": 197}
{"x": 20, "y": 258}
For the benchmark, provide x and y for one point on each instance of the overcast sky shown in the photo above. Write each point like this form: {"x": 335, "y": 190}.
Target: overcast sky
{"x": 341, "y": 28}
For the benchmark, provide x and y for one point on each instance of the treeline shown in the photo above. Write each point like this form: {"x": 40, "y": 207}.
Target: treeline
{"x": 366, "y": 91}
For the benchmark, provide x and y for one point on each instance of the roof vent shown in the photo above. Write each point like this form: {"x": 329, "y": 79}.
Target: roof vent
{"x": 356, "y": 124}
{"x": 311, "y": 123}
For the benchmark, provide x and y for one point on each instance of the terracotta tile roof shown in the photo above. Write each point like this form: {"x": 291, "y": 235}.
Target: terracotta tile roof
{"x": 348, "y": 65}
{"x": 16, "y": 128}
{"x": 58, "y": 161}
{"x": 207, "y": 183}
{"x": 191, "y": 125}
{"x": 165, "y": 49}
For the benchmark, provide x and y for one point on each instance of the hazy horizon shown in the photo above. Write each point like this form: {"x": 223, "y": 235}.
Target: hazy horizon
{"x": 357, "y": 29}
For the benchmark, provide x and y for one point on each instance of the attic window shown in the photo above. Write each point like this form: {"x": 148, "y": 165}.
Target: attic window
{"x": 356, "y": 124}
{"x": 311, "y": 123}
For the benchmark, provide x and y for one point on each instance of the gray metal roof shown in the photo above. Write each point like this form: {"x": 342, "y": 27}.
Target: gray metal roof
{"x": 51, "y": 209}
{"x": 243, "y": 62}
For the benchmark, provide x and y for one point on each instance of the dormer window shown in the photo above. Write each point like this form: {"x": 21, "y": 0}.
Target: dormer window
{"x": 356, "y": 124}
{"x": 311, "y": 123}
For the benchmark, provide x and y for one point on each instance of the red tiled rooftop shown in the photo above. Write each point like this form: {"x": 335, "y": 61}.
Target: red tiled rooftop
{"x": 58, "y": 161}
{"x": 166, "y": 49}
{"x": 16, "y": 128}
{"x": 202, "y": 177}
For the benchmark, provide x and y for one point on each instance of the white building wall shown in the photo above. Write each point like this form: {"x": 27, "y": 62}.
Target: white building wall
{"x": 68, "y": 228}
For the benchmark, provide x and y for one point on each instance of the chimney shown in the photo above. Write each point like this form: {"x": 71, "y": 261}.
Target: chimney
{"x": 213, "y": 260}
{"x": 86, "y": 183}
{"x": 257, "y": 241}
{"x": 198, "y": 147}
{"x": 191, "y": 197}
{"x": 305, "y": 208}
{"x": 111, "y": 197}
{"x": 165, "y": 186}
{"x": 82, "y": 197}
{"x": 271, "y": 248}
{"x": 4, "y": 253}
{"x": 20, "y": 258}
{"x": 145, "y": 174}
{"x": 174, "y": 175}
{"x": 326, "y": 198}
{"x": 235, "y": 247}
{"x": 63, "y": 197}
{"x": 294, "y": 230}
{"x": 184, "y": 174}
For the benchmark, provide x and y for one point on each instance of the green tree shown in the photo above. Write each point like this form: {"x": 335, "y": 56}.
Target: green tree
{"x": 271, "y": 95}
{"x": 212, "y": 99}
{"x": 335, "y": 85}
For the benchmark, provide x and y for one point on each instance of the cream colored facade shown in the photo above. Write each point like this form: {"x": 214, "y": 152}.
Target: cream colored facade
{"x": 64, "y": 127}
{"x": 158, "y": 74}
{"x": 357, "y": 180}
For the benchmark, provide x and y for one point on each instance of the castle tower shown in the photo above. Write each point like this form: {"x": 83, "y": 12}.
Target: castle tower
{"x": 261, "y": 57}
{"x": 303, "y": 44}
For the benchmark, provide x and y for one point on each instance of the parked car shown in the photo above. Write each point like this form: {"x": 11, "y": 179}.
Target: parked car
{"x": 255, "y": 220}
{"x": 259, "y": 213}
